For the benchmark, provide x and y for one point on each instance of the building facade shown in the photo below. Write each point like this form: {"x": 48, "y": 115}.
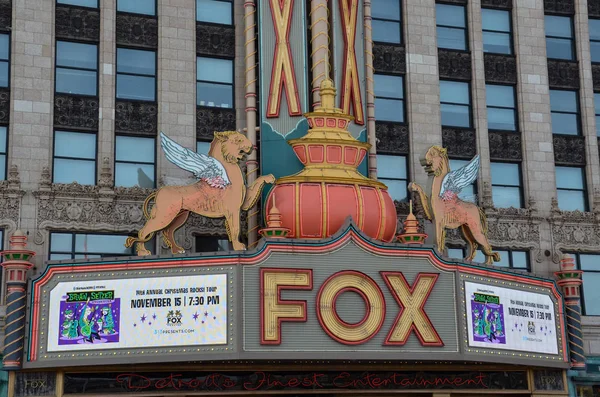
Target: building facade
{"x": 87, "y": 85}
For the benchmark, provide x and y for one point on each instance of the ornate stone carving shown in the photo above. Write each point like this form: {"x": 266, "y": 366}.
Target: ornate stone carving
{"x": 4, "y": 105}
{"x": 106, "y": 180}
{"x": 209, "y": 120}
{"x": 505, "y": 145}
{"x": 391, "y": 137}
{"x": 569, "y": 149}
{"x": 215, "y": 40}
{"x": 5, "y": 15}
{"x": 460, "y": 142}
{"x": 454, "y": 64}
{"x": 560, "y": 6}
{"x": 389, "y": 58}
{"x": 10, "y": 200}
{"x": 500, "y": 68}
{"x": 563, "y": 74}
{"x": 596, "y": 76}
{"x": 74, "y": 111}
{"x": 503, "y": 4}
{"x": 79, "y": 23}
{"x": 137, "y": 30}
{"x": 136, "y": 117}
{"x": 594, "y": 8}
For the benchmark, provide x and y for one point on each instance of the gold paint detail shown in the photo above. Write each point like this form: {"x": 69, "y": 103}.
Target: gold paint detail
{"x": 359, "y": 197}
{"x": 382, "y": 226}
{"x": 324, "y": 212}
{"x": 351, "y": 96}
{"x": 297, "y": 193}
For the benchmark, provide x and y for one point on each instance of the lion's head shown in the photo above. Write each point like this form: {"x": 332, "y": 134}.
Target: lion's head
{"x": 233, "y": 145}
{"x": 435, "y": 158}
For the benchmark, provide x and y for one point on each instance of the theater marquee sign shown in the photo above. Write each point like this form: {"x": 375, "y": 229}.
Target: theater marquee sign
{"x": 345, "y": 298}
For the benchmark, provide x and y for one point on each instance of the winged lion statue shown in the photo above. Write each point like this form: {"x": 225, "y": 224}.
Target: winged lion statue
{"x": 446, "y": 210}
{"x": 219, "y": 191}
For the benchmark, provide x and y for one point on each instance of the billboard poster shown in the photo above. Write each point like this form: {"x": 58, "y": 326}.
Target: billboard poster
{"x": 503, "y": 318}
{"x": 134, "y": 313}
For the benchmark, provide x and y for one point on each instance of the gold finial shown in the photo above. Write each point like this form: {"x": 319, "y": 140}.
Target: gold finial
{"x": 411, "y": 233}
{"x": 327, "y": 92}
{"x": 274, "y": 227}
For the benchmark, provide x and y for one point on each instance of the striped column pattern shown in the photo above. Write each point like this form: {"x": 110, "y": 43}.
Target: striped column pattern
{"x": 569, "y": 279}
{"x": 16, "y": 264}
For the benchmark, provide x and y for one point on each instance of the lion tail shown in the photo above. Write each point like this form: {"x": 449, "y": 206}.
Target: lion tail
{"x": 146, "y": 202}
{"x": 484, "y": 223}
{"x": 131, "y": 240}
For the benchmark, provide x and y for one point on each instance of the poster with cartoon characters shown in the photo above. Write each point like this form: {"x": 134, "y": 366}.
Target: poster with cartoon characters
{"x": 503, "y": 318}
{"x": 127, "y": 313}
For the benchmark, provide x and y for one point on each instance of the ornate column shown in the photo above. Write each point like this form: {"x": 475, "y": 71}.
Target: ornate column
{"x": 319, "y": 28}
{"x": 569, "y": 279}
{"x": 370, "y": 90}
{"x": 16, "y": 264}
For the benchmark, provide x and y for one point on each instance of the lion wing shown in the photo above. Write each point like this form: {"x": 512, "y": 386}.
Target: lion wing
{"x": 457, "y": 180}
{"x": 202, "y": 166}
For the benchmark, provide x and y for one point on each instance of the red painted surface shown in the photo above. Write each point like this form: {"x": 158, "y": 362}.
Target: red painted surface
{"x": 316, "y": 153}
{"x": 311, "y": 214}
{"x": 334, "y": 154}
{"x": 350, "y": 155}
{"x": 300, "y": 152}
{"x": 346, "y": 203}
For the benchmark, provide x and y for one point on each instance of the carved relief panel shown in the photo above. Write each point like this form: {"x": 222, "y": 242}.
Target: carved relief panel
{"x": 77, "y": 23}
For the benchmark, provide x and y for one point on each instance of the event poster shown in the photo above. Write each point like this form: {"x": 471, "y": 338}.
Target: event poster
{"x": 503, "y": 318}
{"x": 132, "y": 313}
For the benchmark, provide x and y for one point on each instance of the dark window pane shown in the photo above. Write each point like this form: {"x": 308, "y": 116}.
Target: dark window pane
{"x": 506, "y": 174}
{"x": 597, "y": 103}
{"x": 139, "y": 88}
{"x": 386, "y": 31}
{"x": 389, "y": 166}
{"x": 590, "y": 262}
{"x": 389, "y": 86}
{"x": 454, "y": 92}
{"x": 594, "y": 26}
{"x": 129, "y": 175}
{"x": 218, "y": 95}
{"x": 100, "y": 243}
{"x": 213, "y": 11}
{"x": 498, "y": 20}
{"x": 571, "y": 200}
{"x": 558, "y": 26}
{"x": 61, "y": 242}
{"x": 137, "y": 6}
{"x": 4, "y": 46}
{"x": 591, "y": 293}
{"x": 76, "y": 55}
{"x": 565, "y": 123}
{"x": 389, "y": 110}
{"x": 451, "y": 38}
{"x": 84, "y": 3}
{"x": 506, "y": 197}
{"x": 386, "y": 9}
{"x": 60, "y": 257}
{"x": 136, "y": 61}
{"x": 563, "y": 101}
{"x": 569, "y": 178}
{"x": 519, "y": 260}
{"x": 497, "y": 43}
{"x": 75, "y": 144}
{"x": 215, "y": 70}
{"x": 455, "y": 115}
{"x": 500, "y": 95}
{"x": 396, "y": 188}
{"x": 2, "y": 166}
{"x": 456, "y": 253}
{"x": 3, "y": 139}
{"x": 212, "y": 244}
{"x": 135, "y": 149}
{"x": 559, "y": 48}
{"x": 450, "y": 15}
{"x": 73, "y": 81}
{"x": 80, "y": 171}
{"x": 501, "y": 119}
{"x": 504, "y": 257}
{"x": 595, "y": 51}
{"x": 4, "y": 77}
{"x": 598, "y": 126}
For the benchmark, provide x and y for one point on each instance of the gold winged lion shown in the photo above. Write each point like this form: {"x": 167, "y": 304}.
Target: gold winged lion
{"x": 219, "y": 191}
{"x": 446, "y": 210}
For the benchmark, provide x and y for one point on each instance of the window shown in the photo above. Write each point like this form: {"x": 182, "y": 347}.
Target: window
{"x": 392, "y": 170}
{"x": 214, "y": 11}
{"x": 564, "y": 108}
{"x": 506, "y": 185}
{"x": 559, "y": 37}
{"x": 597, "y": 112}
{"x": 469, "y": 193}
{"x": 594, "y": 26}
{"x": 3, "y": 152}
{"x": 501, "y": 109}
{"x": 83, "y": 3}
{"x": 147, "y": 7}
{"x": 496, "y": 31}
{"x": 74, "y": 157}
{"x": 4, "y": 60}
{"x": 570, "y": 188}
{"x": 386, "y": 22}
{"x": 214, "y": 82}
{"x": 88, "y": 246}
{"x": 451, "y": 26}
{"x": 134, "y": 161}
{"x": 136, "y": 74}
{"x": 202, "y": 147}
{"x": 212, "y": 244}
{"x": 455, "y": 102}
{"x": 389, "y": 98}
{"x": 590, "y": 293}
{"x": 510, "y": 259}
{"x": 76, "y": 68}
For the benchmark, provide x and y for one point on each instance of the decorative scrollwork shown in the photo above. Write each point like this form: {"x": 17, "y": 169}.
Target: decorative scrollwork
{"x": 76, "y": 112}
{"x": 594, "y": 8}
{"x": 505, "y": 145}
{"x": 215, "y": 40}
{"x": 596, "y": 76}
{"x": 137, "y": 30}
{"x": 503, "y": 4}
{"x": 563, "y": 74}
{"x": 4, "y": 105}
{"x": 454, "y": 64}
{"x": 391, "y": 137}
{"x": 209, "y": 120}
{"x": 136, "y": 117}
{"x": 560, "y": 6}
{"x": 460, "y": 142}
{"x": 389, "y": 58}
{"x": 569, "y": 149}
{"x": 5, "y": 15}
{"x": 77, "y": 23}
{"x": 500, "y": 68}
{"x": 10, "y": 200}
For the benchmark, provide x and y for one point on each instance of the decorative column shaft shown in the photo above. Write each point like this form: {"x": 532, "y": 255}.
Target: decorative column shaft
{"x": 16, "y": 264}
{"x": 370, "y": 90}
{"x": 569, "y": 279}
{"x": 319, "y": 29}
{"x": 250, "y": 71}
